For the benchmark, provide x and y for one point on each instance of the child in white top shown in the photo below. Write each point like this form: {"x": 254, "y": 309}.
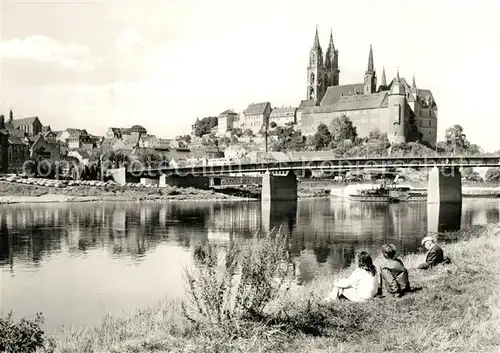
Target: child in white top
{"x": 362, "y": 285}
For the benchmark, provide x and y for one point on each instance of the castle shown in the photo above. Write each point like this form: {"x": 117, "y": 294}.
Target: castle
{"x": 398, "y": 109}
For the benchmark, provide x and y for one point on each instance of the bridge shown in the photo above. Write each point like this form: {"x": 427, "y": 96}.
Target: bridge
{"x": 340, "y": 164}
{"x": 444, "y": 185}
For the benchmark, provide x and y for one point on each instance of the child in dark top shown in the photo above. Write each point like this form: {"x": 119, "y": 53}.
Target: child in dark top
{"x": 393, "y": 273}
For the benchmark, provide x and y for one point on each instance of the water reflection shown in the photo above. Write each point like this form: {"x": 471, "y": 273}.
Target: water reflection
{"x": 81, "y": 258}
{"x": 444, "y": 217}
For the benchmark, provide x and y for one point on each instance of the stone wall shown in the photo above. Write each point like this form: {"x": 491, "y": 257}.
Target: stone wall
{"x": 366, "y": 120}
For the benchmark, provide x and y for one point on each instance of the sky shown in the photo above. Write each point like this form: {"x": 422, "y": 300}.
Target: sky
{"x": 163, "y": 63}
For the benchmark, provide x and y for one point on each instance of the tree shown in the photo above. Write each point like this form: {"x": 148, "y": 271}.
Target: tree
{"x": 236, "y": 132}
{"x": 11, "y": 116}
{"x": 468, "y": 173}
{"x": 287, "y": 139}
{"x": 2, "y": 122}
{"x": 273, "y": 124}
{"x": 321, "y": 138}
{"x": 342, "y": 129}
{"x": 248, "y": 133}
{"x": 185, "y": 138}
{"x": 204, "y": 126}
{"x": 492, "y": 175}
{"x": 455, "y": 139}
{"x": 210, "y": 141}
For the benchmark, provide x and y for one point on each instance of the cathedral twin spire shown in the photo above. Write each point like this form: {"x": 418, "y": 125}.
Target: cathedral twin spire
{"x": 370, "y": 60}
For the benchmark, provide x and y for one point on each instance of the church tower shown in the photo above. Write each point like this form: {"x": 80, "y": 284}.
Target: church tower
{"x": 370, "y": 75}
{"x": 332, "y": 64}
{"x": 316, "y": 85}
{"x": 397, "y": 111}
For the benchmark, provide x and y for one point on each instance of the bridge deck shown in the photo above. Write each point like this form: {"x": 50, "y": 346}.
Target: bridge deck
{"x": 329, "y": 164}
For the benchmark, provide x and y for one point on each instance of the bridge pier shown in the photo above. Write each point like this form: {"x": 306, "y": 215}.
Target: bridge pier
{"x": 444, "y": 199}
{"x": 445, "y": 185}
{"x": 278, "y": 187}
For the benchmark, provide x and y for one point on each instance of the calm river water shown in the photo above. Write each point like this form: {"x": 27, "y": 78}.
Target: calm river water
{"x": 76, "y": 262}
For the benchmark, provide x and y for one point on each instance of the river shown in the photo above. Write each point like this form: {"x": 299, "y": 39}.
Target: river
{"x": 74, "y": 262}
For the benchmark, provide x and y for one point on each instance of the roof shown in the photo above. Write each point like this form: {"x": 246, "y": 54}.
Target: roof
{"x": 360, "y": 101}
{"x": 425, "y": 94}
{"x": 26, "y": 121}
{"x": 82, "y": 153}
{"x": 71, "y": 130}
{"x": 334, "y": 93}
{"x": 131, "y": 139}
{"x": 14, "y": 140}
{"x": 319, "y": 109}
{"x": 16, "y": 132}
{"x": 283, "y": 112}
{"x": 307, "y": 103}
{"x": 48, "y": 132}
{"x": 228, "y": 112}
{"x": 257, "y": 108}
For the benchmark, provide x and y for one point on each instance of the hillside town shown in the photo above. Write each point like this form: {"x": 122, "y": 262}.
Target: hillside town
{"x": 372, "y": 118}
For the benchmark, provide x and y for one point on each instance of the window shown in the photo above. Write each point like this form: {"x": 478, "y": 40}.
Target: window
{"x": 430, "y": 123}
{"x": 429, "y": 132}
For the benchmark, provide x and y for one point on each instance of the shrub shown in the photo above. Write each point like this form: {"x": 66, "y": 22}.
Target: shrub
{"x": 240, "y": 284}
{"x": 23, "y": 337}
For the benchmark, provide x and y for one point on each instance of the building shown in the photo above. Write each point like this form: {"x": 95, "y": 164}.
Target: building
{"x": 18, "y": 154}
{"x": 4, "y": 151}
{"x": 71, "y": 134}
{"x": 30, "y": 126}
{"x": 255, "y": 117}
{"x": 396, "y": 109}
{"x": 225, "y": 122}
{"x": 283, "y": 116}
{"x": 45, "y": 150}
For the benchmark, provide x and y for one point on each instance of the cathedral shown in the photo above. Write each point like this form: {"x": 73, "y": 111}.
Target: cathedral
{"x": 398, "y": 109}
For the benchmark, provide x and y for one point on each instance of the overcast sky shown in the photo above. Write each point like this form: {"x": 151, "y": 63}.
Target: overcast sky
{"x": 161, "y": 64}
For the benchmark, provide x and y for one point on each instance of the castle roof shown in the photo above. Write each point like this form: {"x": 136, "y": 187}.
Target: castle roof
{"x": 360, "y": 101}
{"x": 257, "y": 108}
{"x": 319, "y": 109}
{"x": 334, "y": 93}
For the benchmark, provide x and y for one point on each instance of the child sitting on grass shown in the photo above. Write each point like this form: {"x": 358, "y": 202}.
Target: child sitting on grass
{"x": 361, "y": 286}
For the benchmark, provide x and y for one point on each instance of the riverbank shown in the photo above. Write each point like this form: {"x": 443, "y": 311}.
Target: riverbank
{"x": 456, "y": 309}
{"x": 21, "y": 193}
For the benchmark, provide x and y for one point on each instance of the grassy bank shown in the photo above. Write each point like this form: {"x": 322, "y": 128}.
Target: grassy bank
{"x": 456, "y": 309}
